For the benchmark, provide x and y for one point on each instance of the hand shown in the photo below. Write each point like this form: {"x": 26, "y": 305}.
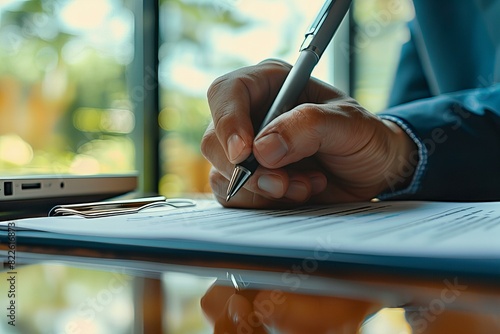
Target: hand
{"x": 327, "y": 149}
{"x": 256, "y": 311}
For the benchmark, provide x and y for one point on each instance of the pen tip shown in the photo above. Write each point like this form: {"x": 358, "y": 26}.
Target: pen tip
{"x": 238, "y": 179}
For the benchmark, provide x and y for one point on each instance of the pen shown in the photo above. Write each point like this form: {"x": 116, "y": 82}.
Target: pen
{"x": 315, "y": 42}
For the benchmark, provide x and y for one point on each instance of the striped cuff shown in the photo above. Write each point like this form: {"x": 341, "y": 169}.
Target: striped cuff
{"x": 421, "y": 165}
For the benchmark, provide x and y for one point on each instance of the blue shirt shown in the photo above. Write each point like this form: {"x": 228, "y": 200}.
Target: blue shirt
{"x": 446, "y": 96}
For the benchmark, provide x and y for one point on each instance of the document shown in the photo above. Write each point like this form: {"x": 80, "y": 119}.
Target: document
{"x": 399, "y": 228}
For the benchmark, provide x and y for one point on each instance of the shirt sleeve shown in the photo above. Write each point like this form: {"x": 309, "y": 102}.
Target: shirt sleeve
{"x": 417, "y": 171}
{"x": 458, "y": 136}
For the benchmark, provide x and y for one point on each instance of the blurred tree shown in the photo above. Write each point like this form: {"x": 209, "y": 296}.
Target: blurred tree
{"x": 51, "y": 69}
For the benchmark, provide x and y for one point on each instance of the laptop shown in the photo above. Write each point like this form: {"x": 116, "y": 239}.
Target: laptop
{"x": 42, "y": 192}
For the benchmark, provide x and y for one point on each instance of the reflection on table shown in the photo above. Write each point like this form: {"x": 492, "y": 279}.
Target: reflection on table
{"x": 61, "y": 298}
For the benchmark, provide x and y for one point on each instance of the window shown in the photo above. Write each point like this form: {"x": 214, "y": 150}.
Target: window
{"x": 64, "y": 101}
{"x": 201, "y": 40}
{"x": 378, "y": 31}
{"x": 74, "y": 77}
{"x": 80, "y": 93}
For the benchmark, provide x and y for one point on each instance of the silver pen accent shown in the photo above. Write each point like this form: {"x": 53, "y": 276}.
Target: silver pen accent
{"x": 317, "y": 38}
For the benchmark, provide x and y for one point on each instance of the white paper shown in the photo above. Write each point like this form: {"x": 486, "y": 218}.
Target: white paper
{"x": 433, "y": 229}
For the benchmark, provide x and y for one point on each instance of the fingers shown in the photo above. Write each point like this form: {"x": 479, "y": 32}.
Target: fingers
{"x": 266, "y": 185}
{"x": 267, "y": 189}
{"x": 312, "y": 134}
{"x": 355, "y": 148}
{"x": 239, "y": 96}
{"x": 254, "y": 311}
{"x": 231, "y": 312}
{"x": 214, "y": 301}
{"x": 239, "y": 101}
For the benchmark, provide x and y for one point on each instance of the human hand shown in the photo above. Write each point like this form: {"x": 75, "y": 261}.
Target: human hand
{"x": 327, "y": 149}
{"x": 257, "y": 311}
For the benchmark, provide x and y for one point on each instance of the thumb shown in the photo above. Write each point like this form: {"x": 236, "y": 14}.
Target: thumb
{"x": 337, "y": 128}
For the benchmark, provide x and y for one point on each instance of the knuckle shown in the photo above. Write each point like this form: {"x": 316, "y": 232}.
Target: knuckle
{"x": 219, "y": 107}
{"x": 309, "y": 118}
{"x": 276, "y": 61}
{"x": 207, "y": 142}
{"x": 223, "y": 122}
{"x": 215, "y": 86}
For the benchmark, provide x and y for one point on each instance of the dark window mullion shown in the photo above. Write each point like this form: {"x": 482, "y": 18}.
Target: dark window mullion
{"x": 144, "y": 92}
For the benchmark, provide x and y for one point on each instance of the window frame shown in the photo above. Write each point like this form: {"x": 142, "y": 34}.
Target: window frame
{"x": 145, "y": 95}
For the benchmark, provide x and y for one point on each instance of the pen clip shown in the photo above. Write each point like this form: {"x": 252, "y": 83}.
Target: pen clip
{"x": 318, "y": 21}
{"x": 113, "y": 208}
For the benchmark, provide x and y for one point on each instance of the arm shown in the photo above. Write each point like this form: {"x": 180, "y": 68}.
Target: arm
{"x": 457, "y": 135}
{"x": 460, "y": 159}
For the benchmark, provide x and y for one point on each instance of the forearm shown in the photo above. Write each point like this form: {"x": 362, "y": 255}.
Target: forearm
{"x": 459, "y": 153}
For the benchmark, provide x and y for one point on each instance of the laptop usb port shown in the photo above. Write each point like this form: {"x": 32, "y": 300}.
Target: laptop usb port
{"x": 7, "y": 189}
{"x": 31, "y": 186}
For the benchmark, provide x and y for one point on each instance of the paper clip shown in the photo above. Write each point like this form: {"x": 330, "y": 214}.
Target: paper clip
{"x": 113, "y": 208}
{"x": 237, "y": 280}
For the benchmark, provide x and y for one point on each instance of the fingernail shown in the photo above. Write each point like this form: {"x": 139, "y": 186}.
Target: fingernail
{"x": 235, "y": 146}
{"x": 272, "y": 148}
{"x": 297, "y": 191}
{"x": 271, "y": 184}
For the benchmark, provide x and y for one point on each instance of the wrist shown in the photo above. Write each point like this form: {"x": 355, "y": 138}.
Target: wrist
{"x": 404, "y": 158}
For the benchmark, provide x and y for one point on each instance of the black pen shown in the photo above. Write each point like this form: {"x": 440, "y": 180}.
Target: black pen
{"x": 316, "y": 40}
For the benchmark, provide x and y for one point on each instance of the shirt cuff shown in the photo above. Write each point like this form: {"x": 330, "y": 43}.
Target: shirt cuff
{"x": 421, "y": 165}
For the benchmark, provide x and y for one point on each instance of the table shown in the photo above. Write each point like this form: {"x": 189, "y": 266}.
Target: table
{"x": 160, "y": 285}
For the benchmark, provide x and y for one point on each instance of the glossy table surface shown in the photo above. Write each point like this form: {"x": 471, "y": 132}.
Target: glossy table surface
{"x": 184, "y": 293}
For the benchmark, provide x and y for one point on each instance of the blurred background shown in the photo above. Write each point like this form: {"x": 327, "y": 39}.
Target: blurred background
{"x": 111, "y": 86}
